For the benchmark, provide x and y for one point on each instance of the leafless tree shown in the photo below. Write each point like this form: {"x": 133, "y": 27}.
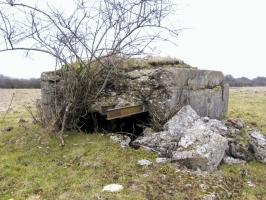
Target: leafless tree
{"x": 86, "y": 43}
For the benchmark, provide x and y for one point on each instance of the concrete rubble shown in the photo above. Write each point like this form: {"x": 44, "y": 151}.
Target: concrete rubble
{"x": 190, "y": 141}
{"x": 234, "y": 126}
{"x": 239, "y": 151}
{"x": 257, "y": 142}
{"x": 201, "y": 143}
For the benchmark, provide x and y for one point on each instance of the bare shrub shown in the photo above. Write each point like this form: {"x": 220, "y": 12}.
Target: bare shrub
{"x": 88, "y": 44}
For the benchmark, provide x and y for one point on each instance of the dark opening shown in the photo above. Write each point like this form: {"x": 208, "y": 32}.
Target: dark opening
{"x": 132, "y": 126}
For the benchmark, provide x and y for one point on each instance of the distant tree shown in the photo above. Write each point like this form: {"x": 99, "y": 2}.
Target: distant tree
{"x": 243, "y": 81}
{"x": 259, "y": 81}
{"x": 11, "y": 83}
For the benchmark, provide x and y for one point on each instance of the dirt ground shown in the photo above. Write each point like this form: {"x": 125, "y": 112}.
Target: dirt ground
{"x": 22, "y": 97}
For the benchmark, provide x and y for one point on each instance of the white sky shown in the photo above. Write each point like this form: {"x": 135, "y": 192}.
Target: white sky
{"x": 225, "y": 35}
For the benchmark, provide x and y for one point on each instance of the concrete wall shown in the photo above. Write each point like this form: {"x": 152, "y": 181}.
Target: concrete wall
{"x": 162, "y": 89}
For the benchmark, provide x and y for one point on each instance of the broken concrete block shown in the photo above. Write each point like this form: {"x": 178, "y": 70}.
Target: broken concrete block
{"x": 189, "y": 140}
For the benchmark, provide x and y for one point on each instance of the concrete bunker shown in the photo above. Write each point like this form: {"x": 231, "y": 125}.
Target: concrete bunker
{"x": 140, "y": 94}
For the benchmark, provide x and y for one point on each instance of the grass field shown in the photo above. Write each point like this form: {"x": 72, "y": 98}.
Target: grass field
{"x": 22, "y": 97}
{"x": 33, "y": 166}
{"x": 250, "y": 105}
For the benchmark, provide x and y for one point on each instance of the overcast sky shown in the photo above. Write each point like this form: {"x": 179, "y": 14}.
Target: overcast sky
{"x": 225, "y": 35}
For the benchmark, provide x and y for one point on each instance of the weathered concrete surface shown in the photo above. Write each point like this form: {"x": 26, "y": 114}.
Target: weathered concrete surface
{"x": 210, "y": 102}
{"x": 51, "y": 94}
{"x": 161, "y": 89}
{"x": 189, "y": 140}
{"x": 204, "y": 90}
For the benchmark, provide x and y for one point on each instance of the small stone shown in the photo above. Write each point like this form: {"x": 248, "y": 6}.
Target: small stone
{"x": 211, "y": 196}
{"x": 188, "y": 185}
{"x": 206, "y": 119}
{"x": 115, "y": 138}
{"x": 239, "y": 151}
{"x": 163, "y": 160}
{"x": 144, "y": 162}
{"x": 231, "y": 161}
{"x": 34, "y": 197}
{"x": 113, "y": 188}
{"x": 250, "y": 184}
{"x": 236, "y": 123}
{"x": 203, "y": 187}
{"x": 123, "y": 140}
{"x": 8, "y": 129}
{"x": 113, "y": 94}
{"x": 233, "y": 132}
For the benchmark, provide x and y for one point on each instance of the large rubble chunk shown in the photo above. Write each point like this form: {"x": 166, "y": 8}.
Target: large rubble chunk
{"x": 189, "y": 140}
{"x": 163, "y": 143}
{"x": 178, "y": 124}
{"x": 201, "y": 147}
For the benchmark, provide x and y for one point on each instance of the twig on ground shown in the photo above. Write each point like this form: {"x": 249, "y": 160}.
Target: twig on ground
{"x": 61, "y": 133}
{"x": 28, "y": 108}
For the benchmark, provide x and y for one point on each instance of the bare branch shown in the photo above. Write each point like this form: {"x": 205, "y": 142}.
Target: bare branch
{"x": 87, "y": 42}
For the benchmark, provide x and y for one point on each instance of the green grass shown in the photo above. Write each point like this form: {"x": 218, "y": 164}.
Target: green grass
{"x": 33, "y": 163}
{"x": 255, "y": 173}
{"x": 250, "y": 105}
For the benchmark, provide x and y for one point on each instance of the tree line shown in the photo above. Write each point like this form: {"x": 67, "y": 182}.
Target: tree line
{"x": 11, "y": 83}
{"x": 245, "y": 82}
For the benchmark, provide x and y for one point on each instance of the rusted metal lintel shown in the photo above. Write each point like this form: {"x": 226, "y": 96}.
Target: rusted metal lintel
{"x": 124, "y": 112}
